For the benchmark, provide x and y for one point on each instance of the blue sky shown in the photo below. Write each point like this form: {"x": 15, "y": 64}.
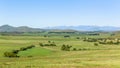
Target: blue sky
{"x": 44, "y": 13}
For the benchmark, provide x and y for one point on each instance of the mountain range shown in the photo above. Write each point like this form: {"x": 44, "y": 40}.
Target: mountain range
{"x": 8, "y": 28}
{"x": 87, "y": 28}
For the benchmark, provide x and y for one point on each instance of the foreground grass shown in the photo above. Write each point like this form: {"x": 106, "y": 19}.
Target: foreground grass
{"x": 38, "y": 51}
{"x": 102, "y": 56}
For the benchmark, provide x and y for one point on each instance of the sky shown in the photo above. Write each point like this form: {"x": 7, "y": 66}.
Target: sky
{"x": 49, "y": 13}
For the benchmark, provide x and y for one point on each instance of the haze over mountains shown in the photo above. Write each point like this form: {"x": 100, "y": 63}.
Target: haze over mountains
{"x": 8, "y": 28}
{"x": 88, "y": 28}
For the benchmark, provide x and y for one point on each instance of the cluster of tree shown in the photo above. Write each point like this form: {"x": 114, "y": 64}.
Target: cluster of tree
{"x": 66, "y": 47}
{"x": 47, "y": 44}
{"x": 109, "y": 42}
{"x": 11, "y": 54}
{"x": 80, "y": 49}
{"x": 83, "y": 49}
{"x": 92, "y": 34}
{"x": 103, "y": 40}
{"x": 90, "y": 39}
{"x": 14, "y": 53}
{"x": 25, "y": 48}
{"x": 66, "y": 36}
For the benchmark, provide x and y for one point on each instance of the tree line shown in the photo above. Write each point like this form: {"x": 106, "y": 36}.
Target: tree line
{"x": 14, "y": 53}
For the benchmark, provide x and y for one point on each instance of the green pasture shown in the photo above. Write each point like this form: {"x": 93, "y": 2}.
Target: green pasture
{"x": 101, "y": 56}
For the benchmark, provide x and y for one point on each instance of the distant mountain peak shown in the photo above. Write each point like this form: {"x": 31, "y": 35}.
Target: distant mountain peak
{"x": 6, "y": 25}
{"x": 8, "y": 28}
{"x": 23, "y": 27}
{"x": 87, "y": 28}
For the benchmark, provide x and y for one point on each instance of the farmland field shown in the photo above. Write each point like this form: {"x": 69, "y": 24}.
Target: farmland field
{"x": 100, "y": 56}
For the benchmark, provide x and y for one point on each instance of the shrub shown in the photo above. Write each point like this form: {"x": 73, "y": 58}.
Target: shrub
{"x": 66, "y": 36}
{"x": 95, "y": 44}
{"x": 29, "y": 47}
{"x": 10, "y": 54}
{"x": 49, "y": 44}
{"x": 15, "y": 51}
{"x": 41, "y": 44}
{"x": 49, "y": 41}
{"x": 74, "y": 49}
{"x": 52, "y": 44}
{"x": 46, "y": 44}
{"x": 23, "y": 49}
{"x": 65, "y": 47}
{"x": 45, "y": 35}
{"x": 77, "y": 38}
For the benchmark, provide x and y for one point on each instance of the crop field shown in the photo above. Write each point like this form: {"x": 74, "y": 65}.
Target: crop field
{"x": 82, "y": 54}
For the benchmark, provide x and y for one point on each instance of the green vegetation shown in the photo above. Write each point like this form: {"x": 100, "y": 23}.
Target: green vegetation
{"x": 65, "y": 47}
{"x": 38, "y": 51}
{"x": 57, "y": 51}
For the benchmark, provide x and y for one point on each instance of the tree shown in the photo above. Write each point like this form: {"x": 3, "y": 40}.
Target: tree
{"x": 65, "y": 47}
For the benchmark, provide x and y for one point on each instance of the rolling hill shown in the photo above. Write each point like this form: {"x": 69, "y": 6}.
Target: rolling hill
{"x": 8, "y": 28}
{"x": 87, "y": 28}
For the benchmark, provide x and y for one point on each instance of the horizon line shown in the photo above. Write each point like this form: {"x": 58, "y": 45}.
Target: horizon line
{"x": 60, "y": 26}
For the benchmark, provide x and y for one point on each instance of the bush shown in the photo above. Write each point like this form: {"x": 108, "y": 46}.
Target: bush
{"x": 49, "y": 44}
{"x": 65, "y": 47}
{"x": 95, "y": 44}
{"x": 77, "y": 38}
{"x": 29, "y": 47}
{"x": 23, "y": 49}
{"x": 66, "y": 36}
{"x": 101, "y": 42}
{"x": 46, "y": 44}
{"x": 49, "y": 41}
{"x": 41, "y": 44}
{"x": 10, "y": 54}
{"x": 15, "y": 51}
{"x": 74, "y": 49}
{"x": 52, "y": 44}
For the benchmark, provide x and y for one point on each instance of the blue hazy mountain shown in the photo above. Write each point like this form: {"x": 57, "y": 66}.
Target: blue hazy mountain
{"x": 87, "y": 28}
{"x": 8, "y": 28}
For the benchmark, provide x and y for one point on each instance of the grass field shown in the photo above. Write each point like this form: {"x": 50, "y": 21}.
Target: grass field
{"x": 101, "y": 56}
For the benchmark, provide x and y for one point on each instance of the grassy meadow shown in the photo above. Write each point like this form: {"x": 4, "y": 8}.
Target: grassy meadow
{"x": 101, "y": 56}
